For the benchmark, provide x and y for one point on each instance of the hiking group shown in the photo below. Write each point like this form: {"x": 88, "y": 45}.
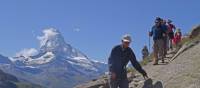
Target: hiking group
{"x": 163, "y": 38}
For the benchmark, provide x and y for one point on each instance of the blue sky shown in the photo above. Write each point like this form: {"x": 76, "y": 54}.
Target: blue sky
{"x": 92, "y": 26}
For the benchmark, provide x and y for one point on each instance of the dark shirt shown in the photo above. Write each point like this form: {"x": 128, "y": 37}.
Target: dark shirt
{"x": 157, "y": 32}
{"x": 165, "y": 28}
{"x": 119, "y": 59}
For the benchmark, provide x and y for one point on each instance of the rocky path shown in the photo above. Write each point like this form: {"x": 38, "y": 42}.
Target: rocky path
{"x": 182, "y": 72}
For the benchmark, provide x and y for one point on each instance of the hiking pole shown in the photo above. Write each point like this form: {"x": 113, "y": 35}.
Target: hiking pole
{"x": 149, "y": 43}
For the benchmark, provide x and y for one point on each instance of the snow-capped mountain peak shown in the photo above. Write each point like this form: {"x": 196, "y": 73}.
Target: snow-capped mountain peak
{"x": 55, "y": 59}
{"x": 53, "y": 41}
{"x": 52, "y": 47}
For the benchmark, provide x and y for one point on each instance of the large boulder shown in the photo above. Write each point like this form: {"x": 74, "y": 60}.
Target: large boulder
{"x": 195, "y": 32}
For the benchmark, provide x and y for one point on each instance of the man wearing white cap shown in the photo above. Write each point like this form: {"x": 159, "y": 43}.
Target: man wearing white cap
{"x": 118, "y": 60}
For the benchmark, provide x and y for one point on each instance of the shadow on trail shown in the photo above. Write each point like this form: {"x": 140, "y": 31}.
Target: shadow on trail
{"x": 166, "y": 63}
{"x": 168, "y": 57}
{"x": 149, "y": 84}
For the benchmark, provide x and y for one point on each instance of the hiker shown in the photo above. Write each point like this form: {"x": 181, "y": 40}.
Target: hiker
{"x": 118, "y": 60}
{"x": 177, "y": 37}
{"x": 145, "y": 52}
{"x": 165, "y": 37}
{"x": 157, "y": 32}
{"x": 171, "y": 28}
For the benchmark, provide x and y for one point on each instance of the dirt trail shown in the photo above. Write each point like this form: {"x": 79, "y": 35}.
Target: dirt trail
{"x": 182, "y": 72}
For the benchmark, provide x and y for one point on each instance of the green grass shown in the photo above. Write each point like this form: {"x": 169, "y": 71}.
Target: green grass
{"x": 188, "y": 40}
{"x": 131, "y": 69}
{"x": 146, "y": 60}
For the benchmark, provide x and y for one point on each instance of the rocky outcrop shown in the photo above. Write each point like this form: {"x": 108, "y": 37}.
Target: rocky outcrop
{"x": 195, "y": 32}
{"x": 103, "y": 82}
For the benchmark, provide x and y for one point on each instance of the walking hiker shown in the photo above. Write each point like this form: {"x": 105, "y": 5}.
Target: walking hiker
{"x": 165, "y": 37}
{"x": 171, "y": 29}
{"x": 145, "y": 52}
{"x": 118, "y": 60}
{"x": 177, "y": 37}
{"x": 157, "y": 32}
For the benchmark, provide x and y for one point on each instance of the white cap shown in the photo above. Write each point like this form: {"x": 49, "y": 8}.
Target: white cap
{"x": 126, "y": 38}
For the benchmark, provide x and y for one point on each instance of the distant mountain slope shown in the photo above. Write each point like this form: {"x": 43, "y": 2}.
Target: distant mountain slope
{"x": 10, "y": 81}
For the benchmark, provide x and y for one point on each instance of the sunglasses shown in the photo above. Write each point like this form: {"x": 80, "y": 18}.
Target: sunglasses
{"x": 127, "y": 42}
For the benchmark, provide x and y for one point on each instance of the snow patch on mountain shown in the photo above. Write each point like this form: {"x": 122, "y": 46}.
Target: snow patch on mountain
{"x": 27, "y": 52}
{"x": 48, "y": 34}
{"x": 82, "y": 62}
{"x": 46, "y": 58}
{"x": 29, "y": 60}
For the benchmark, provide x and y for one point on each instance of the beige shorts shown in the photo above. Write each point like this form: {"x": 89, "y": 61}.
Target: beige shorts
{"x": 158, "y": 48}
